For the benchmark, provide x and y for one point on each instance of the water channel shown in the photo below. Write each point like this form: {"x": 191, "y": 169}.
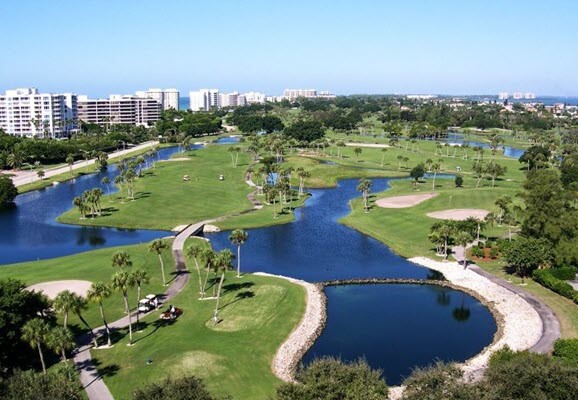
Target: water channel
{"x": 395, "y": 327}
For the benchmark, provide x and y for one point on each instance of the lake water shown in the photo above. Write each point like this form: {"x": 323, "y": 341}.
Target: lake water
{"x": 396, "y": 327}
{"x": 458, "y": 138}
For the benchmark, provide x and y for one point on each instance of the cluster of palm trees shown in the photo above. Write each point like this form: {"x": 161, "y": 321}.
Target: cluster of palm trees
{"x": 217, "y": 263}
{"x": 234, "y": 152}
{"x": 491, "y": 169}
{"x": 89, "y": 203}
{"x": 461, "y": 233}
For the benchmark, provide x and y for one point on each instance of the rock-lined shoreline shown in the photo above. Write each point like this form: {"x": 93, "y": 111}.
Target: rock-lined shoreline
{"x": 289, "y": 354}
{"x": 519, "y": 324}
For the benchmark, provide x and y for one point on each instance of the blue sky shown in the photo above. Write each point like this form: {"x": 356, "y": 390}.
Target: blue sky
{"x": 361, "y": 46}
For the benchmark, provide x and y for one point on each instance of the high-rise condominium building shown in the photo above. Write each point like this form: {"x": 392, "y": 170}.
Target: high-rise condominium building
{"x": 119, "y": 109}
{"x": 204, "y": 99}
{"x": 229, "y": 99}
{"x": 25, "y": 112}
{"x": 293, "y": 94}
{"x": 168, "y": 98}
{"x": 254, "y": 97}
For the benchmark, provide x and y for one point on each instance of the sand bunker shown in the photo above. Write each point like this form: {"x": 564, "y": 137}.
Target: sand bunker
{"x": 51, "y": 289}
{"x": 459, "y": 214}
{"x": 404, "y": 201}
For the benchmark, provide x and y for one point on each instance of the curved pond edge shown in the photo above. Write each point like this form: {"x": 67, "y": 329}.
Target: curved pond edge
{"x": 518, "y": 324}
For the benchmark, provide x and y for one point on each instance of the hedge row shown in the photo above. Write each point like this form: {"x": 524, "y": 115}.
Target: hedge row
{"x": 545, "y": 278}
{"x": 564, "y": 273}
{"x": 567, "y": 350}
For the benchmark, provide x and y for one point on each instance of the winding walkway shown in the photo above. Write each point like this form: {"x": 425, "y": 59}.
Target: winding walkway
{"x": 90, "y": 378}
{"x": 550, "y": 324}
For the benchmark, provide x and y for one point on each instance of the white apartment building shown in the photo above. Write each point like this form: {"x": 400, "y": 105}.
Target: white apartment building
{"x": 25, "y": 112}
{"x": 292, "y": 94}
{"x": 204, "y": 99}
{"x": 229, "y": 99}
{"x": 254, "y": 97}
{"x": 168, "y": 98}
{"x": 119, "y": 109}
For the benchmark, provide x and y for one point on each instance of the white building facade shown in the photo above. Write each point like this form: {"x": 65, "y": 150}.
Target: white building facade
{"x": 119, "y": 109}
{"x": 204, "y": 100}
{"x": 26, "y": 112}
{"x": 229, "y": 99}
{"x": 292, "y": 94}
{"x": 168, "y": 98}
{"x": 255, "y": 97}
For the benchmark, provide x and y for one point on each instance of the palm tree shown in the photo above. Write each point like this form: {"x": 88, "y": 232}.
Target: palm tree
{"x": 435, "y": 168}
{"x": 80, "y": 304}
{"x": 63, "y": 303}
{"x": 364, "y": 187}
{"x": 208, "y": 255}
{"x": 158, "y": 246}
{"x": 41, "y": 174}
{"x": 383, "y": 151}
{"x": 122, "y": 282}
{"x": 106, "y": 182}
{"x": 70, "y": 162}
{"x": 97, "y": 293}
{"x": 462, "y": 239}
{"x": 238, "y": 237}
{"x": 357, "y": 151}
{"x": 139, "y": 277}
{"x": 121, "y": 259}
{"x": 61, "y": 339}
{"x": 35, "y": 332}
{"x": 194, "y": 251}
{"x": 223, "y": 262}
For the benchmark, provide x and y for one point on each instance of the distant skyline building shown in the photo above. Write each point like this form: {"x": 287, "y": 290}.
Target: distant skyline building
{"x": 26, "y": 112}
{"x": 168, "y": 98}
{"x": 204, "y": 99}
{"x": 229, "y": 99}
{"x": 292, "y": 94}
{"x": 119, "y": 109}
{"x": 255, "y": 97}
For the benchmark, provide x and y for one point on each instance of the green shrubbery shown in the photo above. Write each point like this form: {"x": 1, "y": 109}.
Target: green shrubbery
{"x": 546, "y": 278}
{"x": 564, "y": 273}
{"x": 566, "y": 350}
{"x": 477, "y": 252}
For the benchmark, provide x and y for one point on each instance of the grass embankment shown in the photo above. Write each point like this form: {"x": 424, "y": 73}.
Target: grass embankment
{"x": 234, "y": 357}
{"x": 84, "y": 170}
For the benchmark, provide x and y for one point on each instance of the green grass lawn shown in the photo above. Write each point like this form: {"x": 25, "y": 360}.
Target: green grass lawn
{"x": 234, "y": 357}
{"x": 164, "y": 200}
{"x": 94, "y": 266}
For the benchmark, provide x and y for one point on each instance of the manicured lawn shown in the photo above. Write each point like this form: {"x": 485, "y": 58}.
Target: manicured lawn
{"x": 94, "y": 266}
{"x": 234, "y": 357}
{"x": 164, "y": 200}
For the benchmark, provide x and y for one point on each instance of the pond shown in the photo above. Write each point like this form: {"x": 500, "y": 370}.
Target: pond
{"x": 396, "y": 327}
{"x": 509, "y": 151}
{"x": 29, "y": 231}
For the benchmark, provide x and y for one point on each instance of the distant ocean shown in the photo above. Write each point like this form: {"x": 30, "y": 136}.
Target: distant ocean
{"x": 547, "y": 100}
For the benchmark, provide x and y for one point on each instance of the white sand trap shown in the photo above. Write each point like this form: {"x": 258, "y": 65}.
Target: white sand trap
{"x": 409, "y": 200}
{"x": 51, "y": 289}
{"x": 374, "y": 145}
{"x": 459, "y": 214}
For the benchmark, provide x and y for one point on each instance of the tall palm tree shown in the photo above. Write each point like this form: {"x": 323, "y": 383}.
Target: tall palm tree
{"x": 238, "y": 237}
{"x": 158, "y": 246}
{"x": 70, "y": 162}
{"x": 121, "y": 259}
{"x": 35, "y": 332}
{"x": 63, "y": 303}
{"x": 194, "y": 251}
{"x": 122, "y": 283}
{"x": 209, "y": 257}
{"x": 97, "y": 293}
{"x": 80, "y": 304}
{"x": 435, "y": 168}
{"x": 383, "y": 151}
{"x": 223, "y": 262}
{"x": 364, "y": 187}
{"x": 106, "y": 182}
{"x": 60, "y": 339}
{"x": 139, "y": 277}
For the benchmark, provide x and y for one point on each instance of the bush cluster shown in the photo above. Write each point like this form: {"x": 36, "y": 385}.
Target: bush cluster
{"x": 564, "y": 273}
{"x": 566, "y": 350}
{"x": 546, "y": 278}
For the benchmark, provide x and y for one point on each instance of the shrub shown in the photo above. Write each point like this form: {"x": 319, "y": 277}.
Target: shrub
{"x": 564, "y": 273}
{"x": 566, "y": 350}
{"x": 477, "y": 252}
{"x": 185, "y": 388}
{"x": 329, "y": 378}
{"x": 545, "y": 278}
{"x": 494, "y": 252}
{"x": 459, "y": 181}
